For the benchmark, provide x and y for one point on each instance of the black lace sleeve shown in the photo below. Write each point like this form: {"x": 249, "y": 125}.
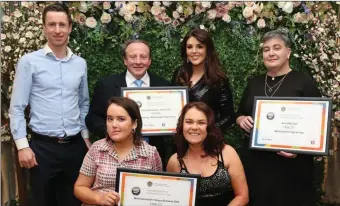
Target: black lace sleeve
{"x": 226, "y": 115}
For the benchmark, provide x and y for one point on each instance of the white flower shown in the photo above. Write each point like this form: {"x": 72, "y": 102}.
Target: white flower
{"x": 211, "y": 14}
{"x": 261, "y": 23}
{"x": 119, "y": 4}
{"x": 188, "y": 11}
{"x": 280, "y": 4}
{"x": 206, "y": 4}
{"x": 6, "y": 18}
{"x": 179, "y": 9}
{"x": 249, "y": 3}
{"x": 130, "y": 8}
{"x": 248, "y": 12}
{"x": 29, "y": 35}
{"x": 106, "y": 5}
{"x": 323, "y": 57}
{"x": 128, "y": 18}
{"x": 175, "y": 14}
{"x": 3, "y": 36}
{"x": 226, "y": 18}
{"x": 202, "y": 27}
{"x": 258, "y": 7}
{"x": 91, "y": 22}
{"x": 157, "y": 3}
{"x": 8, "y": 48}
{"x": 166, "y": 3}
{"x": 26, "y": 4}
{"x": 17, "y": 13}
{"x": 155, "y": 10}
{"x": 83, "y": 7}
{"x": 22, "y": 40}
{"x": 288, "y": 7}
{"x": 336, "y": 56}
{"x": 105, "y": 18}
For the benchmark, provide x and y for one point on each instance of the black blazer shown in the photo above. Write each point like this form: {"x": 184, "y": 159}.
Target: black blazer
{"x": 107, "y": 87}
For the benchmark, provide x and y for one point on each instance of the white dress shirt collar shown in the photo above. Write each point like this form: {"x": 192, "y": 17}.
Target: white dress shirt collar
{"x": 129, "y": 78}
{"x": 48, "y": 50}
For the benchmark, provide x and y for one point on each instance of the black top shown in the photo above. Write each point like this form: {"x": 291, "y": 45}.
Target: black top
{"x": 273, "y": 179}
{"x": 219, "y": 98}
{"x": 213, "y": 190}
{"x": 107, "y": 87}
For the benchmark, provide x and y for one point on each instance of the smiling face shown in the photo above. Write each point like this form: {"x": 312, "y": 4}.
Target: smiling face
{"x": 196, "y": 51}
{"x": 195, "y": 125}
{"x": 137, "y": 59}
{"x": 119, "y": 124}
{"x": 57, "y": 29}
{"x": 275, "y": 54}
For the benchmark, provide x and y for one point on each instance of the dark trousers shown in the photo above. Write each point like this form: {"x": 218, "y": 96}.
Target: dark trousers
{"x": 52, "y": 181}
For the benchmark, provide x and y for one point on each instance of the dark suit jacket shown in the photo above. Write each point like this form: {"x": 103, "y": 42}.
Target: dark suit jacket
{"x": 107, "y": 87}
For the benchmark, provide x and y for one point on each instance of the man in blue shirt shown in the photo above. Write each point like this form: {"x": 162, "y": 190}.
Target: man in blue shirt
{"x": 53, "y": 82}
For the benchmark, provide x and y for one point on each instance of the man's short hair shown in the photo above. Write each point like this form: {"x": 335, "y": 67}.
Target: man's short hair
{"x": 57, "y": 7}
{"x": 128, "y": 42}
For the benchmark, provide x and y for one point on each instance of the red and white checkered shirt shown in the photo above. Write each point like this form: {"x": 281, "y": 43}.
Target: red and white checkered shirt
{"x": 102, "y": 162}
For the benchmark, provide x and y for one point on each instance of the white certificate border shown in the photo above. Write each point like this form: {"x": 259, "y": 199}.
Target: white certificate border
{"x": 194, "y": 178}
{"x": 327, "y": 126}
{"x": 183, "y": 89}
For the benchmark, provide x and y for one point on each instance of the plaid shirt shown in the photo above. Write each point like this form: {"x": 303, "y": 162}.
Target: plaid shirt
{"x": 102, "y": 161}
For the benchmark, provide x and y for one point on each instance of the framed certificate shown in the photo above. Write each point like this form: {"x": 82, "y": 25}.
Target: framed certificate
{"x": 160, "y": 107}
{"x": 291, "y": 124}
{"x": 144, "y": 187}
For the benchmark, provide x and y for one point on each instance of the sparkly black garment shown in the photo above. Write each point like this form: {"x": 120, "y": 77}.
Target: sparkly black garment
{"x": 219, "y": 98}
{"x": 213, "y": 190}
{"x": 274, "y": 180}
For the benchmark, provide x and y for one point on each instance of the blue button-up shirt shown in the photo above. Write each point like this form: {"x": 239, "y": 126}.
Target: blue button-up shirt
{"x": 57, "y": 92}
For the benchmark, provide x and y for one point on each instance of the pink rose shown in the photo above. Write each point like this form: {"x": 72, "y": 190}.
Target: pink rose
{"x": 175, "y": 14}
{"x": 221, "y": 9}
{"x": 91, "y": 22}
{"x": 105, "y": 18}
{"x": 106, "y": 5}
{"x": 175, "y": 23}
{"x": 226, "y": 18}
{"x": 261, "y": 23}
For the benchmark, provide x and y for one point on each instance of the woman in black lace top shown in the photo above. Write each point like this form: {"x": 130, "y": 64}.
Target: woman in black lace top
{"x": 201, "y": 150}
{"x": 201, "y": 72}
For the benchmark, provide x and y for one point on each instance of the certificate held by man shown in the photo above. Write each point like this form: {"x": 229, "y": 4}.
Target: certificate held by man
{"x": 296, "y": 125}
{"x": 138, "y": 187}
{"x": 160, "y": 107}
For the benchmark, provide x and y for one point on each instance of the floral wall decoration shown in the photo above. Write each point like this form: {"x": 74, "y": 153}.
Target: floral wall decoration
{"x": 313, "y": 27}
{"x": 99, "y": 29}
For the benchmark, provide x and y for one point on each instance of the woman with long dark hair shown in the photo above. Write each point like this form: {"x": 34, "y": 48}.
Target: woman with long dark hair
{"x": 202, "y": 73}
{"x": 201, "y": 150}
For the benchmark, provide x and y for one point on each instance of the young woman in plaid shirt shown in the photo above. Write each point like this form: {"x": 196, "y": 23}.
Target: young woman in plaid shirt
{"x": 123, "y": 147}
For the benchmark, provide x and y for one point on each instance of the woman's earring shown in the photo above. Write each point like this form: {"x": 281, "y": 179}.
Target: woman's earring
{"x": 188, "y": 61}
{"x": 133, "y": 131}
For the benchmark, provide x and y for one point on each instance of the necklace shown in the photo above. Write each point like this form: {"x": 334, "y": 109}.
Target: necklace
{"x": 202, "y": 163}
{"x": 270, "y": 88}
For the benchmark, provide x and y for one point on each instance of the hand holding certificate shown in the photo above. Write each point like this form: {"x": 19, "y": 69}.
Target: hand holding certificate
{"x": 160, "y": 107}
{"x": 296, "y": 125}
{"x": 137, "y": 187}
